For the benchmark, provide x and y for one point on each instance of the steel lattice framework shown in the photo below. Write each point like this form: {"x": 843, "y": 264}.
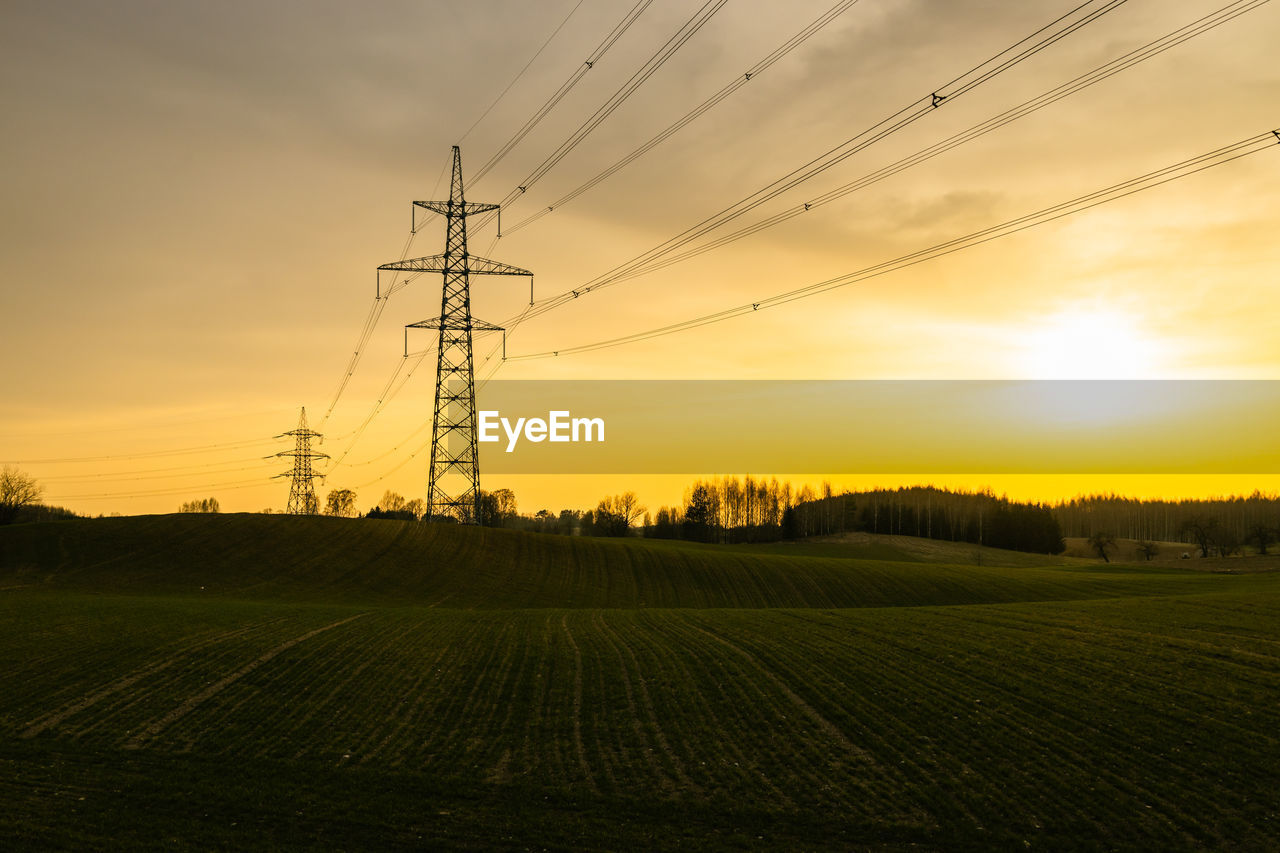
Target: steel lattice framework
{"x": 454, "y": 447}
{"x": 302, "y": 492}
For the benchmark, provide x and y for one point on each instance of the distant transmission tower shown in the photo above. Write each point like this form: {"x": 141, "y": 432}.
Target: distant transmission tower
{"x": 302, "y": 494}
{"x": 454, "y": 449}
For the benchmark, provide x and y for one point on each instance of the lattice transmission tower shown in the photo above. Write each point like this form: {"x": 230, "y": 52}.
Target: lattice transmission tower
{"x": 454, "y": 449}
{"x": 302, "y": 492}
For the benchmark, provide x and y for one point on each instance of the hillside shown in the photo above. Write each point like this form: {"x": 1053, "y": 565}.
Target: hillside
{"x": 258, "y": 682}
{"x": 375, "y": 561}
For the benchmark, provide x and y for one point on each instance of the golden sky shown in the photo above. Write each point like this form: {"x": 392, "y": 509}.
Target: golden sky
{"x": 197, "y": 195}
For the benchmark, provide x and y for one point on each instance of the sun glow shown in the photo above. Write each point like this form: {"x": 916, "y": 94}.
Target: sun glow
{"x": 1087, "y": 343}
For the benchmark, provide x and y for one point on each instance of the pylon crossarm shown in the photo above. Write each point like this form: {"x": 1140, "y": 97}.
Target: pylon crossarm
{"x": 453, "y": 208}
{"x": 453, "y": 325}
{"x": 473, "y": 264}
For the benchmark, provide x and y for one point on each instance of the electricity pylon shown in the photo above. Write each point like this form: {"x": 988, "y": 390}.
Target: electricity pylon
{"x": 302, "y": 493}
{"x": 454, "y": 448}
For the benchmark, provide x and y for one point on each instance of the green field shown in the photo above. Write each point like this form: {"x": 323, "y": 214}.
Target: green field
{"x": 272, "y": 682}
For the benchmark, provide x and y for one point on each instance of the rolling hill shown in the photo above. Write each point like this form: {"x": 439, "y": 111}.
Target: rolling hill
{"x": 257, "y": 682}
{"x": 320, "y": 559}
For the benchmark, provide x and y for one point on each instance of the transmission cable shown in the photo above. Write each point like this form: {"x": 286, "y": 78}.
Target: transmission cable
{"x": 690, "y": 27}
{"x": 380, "y": 301}
{"x": 734, "y": 85}
{"x": 158, "y": 473}
{"x": 581, "y": 71}
{"x": 948, "y": 92}
{"x": 673, "y": 44}
{"x": 1186, "y": 168}
{"x": 1084, "y": 81}
{"x": 235, "y": 484}
{"x": 964, "y": 82}
{"x": 1153, "y": 48}
{"x": 148, "y": 455}
{"x": 521, "y": 72}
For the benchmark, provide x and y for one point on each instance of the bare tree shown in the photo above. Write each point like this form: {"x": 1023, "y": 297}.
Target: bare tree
{"x": 506, "y": 504}
{"x": 1204, "y": 530}
{"x": 627, "y": 505}
{"x": 1226, "y": 542}
{"x": 1102, "y": 542}
{"x": 1148, "y": 550}
{"x": 16, "y": 491}
{"x": 1261, "y": 535}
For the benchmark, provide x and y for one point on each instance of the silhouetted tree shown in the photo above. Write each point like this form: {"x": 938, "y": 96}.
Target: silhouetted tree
{"x": 570, "y": 521}
{"x": 700, "y": 515}
{"x": 205, "y": 505}
{"x": 341, "y": 503}
{"x": 628, "y": 508}
{"x": 1148, "y": 550}
{"x": 1226, "y": 542}
{"x": 497, "y": 508}
{"x": 17, "y": 490}
{"x": 790, "y": 524}
{"x": 393, "y": 514}
{"x": 614, "y": 515}
{"x": 1202, "y": 530}
{"x": 667, "y": 523}
{"x": 1261, "y": 535}
{"x": 1102, "y": 542}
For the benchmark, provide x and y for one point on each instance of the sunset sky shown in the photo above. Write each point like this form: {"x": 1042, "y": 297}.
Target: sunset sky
{"x": 196, "y": 196}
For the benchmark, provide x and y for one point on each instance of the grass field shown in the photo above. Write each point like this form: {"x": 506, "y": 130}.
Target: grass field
{"x": 257, "y": 682}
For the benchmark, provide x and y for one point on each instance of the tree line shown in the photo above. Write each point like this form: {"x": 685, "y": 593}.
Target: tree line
{"x": 755, "y": 509}
{"x": 1221, "y": 526}
{"x": 727, "y": 509}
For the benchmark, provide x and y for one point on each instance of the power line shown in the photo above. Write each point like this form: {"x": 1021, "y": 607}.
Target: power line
{"x": 690, "y": 27}
{"x": 673, "y": 44}
{"x": 366, "y": 331}
{"x": 380, "y": 301}
{"x": 489, "y": 359}
{"x": 700, "y": 18}
{"x": 151, "y": 455}
{"x": 1102, "y": 72}
{"x": 1186, "y": 168}
{"x": 162, "y": 473}
{"x": 237, "y": 484}
{"x": 138, "y": 427}
{"x": 1151, "y": 49}
{"x": 1084, "y": 81}
{"x": 963, "y": 83}
{"x": 519, "y": 74}
{"x": 384, "y": 398}
{"x": 734, "y": 85}
{"x": 581, "y": 71}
